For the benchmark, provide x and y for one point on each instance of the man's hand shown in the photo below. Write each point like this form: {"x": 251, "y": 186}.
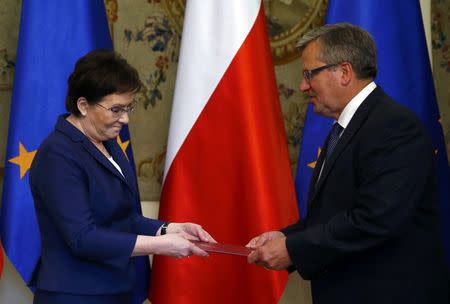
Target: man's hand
{"x": 263, "y": 238}
{"x": 272, "y": 255}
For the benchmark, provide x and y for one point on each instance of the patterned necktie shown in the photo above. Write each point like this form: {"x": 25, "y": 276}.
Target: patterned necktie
{"x": 331, "y": 142}
{"x": 333, "y": 138}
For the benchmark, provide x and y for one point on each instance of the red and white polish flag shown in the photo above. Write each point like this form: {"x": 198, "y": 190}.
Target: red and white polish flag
{"x": 227, "y": 165}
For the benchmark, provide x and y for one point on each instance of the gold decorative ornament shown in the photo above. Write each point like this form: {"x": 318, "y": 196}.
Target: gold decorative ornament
{"x": 111, "y": 7}
{"x": 287, "y": 21}
{"x": 174, "y": 10}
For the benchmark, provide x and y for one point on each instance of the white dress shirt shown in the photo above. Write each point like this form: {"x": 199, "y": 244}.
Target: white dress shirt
{"x": 350, "y": 110}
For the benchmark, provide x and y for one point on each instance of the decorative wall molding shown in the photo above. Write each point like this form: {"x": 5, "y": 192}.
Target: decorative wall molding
{"x": 287, "y": 21}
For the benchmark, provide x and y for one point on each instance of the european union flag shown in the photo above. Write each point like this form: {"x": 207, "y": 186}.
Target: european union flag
{"x": 53, "y": 35}
{"x": 404, "y": 72}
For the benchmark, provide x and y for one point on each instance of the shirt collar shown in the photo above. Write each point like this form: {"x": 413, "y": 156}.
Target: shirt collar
{"x": 353, "y": 105}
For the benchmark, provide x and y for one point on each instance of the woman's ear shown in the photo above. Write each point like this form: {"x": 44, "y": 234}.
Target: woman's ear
{"x": 82, "y": 105}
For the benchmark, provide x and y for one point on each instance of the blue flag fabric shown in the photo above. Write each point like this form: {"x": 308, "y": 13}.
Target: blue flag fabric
{"x": 53, "y": 35}
{"x": 404, "y": 72}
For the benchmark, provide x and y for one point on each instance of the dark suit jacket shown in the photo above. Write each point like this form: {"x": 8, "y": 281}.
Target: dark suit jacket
{"x": 371, "y": 232}
{"x": 87, "y": 215}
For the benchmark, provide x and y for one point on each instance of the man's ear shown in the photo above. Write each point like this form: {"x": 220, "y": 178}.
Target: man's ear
{"x": 82, "y": 105}
{"x": 347, "y": 73}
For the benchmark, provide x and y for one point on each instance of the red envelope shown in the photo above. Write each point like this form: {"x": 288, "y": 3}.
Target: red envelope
{"x": 224, "y": 248}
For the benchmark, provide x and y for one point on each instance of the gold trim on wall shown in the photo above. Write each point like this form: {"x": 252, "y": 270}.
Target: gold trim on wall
{"x": 287, "y": 21}
{"x": 111, "y": 7}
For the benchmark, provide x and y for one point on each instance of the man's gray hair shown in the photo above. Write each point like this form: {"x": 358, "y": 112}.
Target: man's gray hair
{"x": 344, "y": 42}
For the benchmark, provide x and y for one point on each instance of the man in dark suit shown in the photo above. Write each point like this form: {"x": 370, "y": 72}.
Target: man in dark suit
{"x": 371, "y": 232}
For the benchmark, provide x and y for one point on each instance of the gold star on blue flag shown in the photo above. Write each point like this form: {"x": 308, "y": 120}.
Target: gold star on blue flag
{"x": 312, "y": 165}
{"x": 23, "y": 160}
{"x": 123, "y": 145}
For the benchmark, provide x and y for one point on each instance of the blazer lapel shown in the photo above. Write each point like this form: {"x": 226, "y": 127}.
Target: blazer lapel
{"x": 95, "y": 153}
{"x": 119, "y": 157}
{"x": 313, "y": 183}
{"x": 113, "y": 148}
{"x": 355, "y": 124}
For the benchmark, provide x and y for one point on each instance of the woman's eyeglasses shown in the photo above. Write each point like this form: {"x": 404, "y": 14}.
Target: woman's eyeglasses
{"x": 118, "y": 111}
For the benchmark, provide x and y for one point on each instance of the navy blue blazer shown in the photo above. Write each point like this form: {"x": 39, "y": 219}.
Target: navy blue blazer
{"x": 371, "y": 232}
{"x": 87, "y": 215}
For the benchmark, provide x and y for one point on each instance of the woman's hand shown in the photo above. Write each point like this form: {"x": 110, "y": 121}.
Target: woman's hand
{"x": 176, "y": 242}
{"x": 190, "y": 231}
{"x": 173, "y": 244}
{"x": 176, "y": 245}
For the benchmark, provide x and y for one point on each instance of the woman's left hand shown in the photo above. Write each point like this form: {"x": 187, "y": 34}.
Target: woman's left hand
{"x": 190, "y": 231}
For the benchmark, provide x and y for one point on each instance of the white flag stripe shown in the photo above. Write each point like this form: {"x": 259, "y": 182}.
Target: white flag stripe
{"x": 201, "y": 66}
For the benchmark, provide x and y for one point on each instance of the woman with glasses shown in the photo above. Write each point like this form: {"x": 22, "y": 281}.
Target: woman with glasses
{"x": 86, "y": 195}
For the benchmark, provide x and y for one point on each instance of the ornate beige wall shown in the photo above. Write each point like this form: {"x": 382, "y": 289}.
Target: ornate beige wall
{"x": 147, "y": 33}
{"x": 440, "y": 32}
{"x": 9, "y": 29}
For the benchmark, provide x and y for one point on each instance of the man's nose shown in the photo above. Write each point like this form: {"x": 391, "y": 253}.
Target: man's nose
{"x": 304, "y": 85}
